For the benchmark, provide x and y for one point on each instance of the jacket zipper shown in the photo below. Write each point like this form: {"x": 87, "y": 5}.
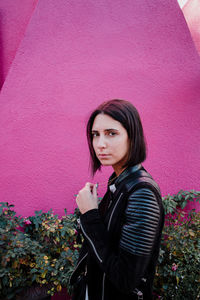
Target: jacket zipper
{"x": 78, "y": 264}
{"x": 91, "y": 243}
{"x": 114, "y": 210}
{"x": 104, "y": 275}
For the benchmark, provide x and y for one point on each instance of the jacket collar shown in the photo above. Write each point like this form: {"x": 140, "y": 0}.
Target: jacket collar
{"x": 113, "y": 186}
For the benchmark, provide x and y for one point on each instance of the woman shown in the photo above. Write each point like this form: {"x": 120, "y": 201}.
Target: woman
{"x": 121, "y": 234}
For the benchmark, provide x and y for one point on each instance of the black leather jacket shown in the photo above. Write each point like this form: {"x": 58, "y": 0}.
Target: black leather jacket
{"x": 122, "y": 239}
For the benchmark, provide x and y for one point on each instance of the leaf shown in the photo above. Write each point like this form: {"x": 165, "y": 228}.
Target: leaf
{"x": 59, "y": 288}
{"x": 44, "y": 274}
{"x": 179, "y": 197}
{"x": 191, "y": 233}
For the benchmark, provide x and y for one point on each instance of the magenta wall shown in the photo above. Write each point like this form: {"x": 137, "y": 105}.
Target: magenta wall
{"x": 73, "y": 56}
{"x": 14, "y": 17}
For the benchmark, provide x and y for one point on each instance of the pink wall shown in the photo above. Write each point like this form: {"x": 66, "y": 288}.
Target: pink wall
{"x": 14, "y": 17}
{"x": 74, "y": 55}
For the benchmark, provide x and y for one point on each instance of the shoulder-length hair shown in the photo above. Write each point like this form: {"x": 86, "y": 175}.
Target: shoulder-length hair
{"x": 125, "y": 113}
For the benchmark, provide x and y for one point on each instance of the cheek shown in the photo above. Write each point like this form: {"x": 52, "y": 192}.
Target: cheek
{"x": 126, "y": 147}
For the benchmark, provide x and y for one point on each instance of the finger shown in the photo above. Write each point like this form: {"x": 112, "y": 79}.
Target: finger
{"x": 94, "y": 190}
{"x": 89, "y": 186}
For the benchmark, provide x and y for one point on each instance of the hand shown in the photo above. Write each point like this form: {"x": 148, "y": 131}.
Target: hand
{"x": 87, "y": 198}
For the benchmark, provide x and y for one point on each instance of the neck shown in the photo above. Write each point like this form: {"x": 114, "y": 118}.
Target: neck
{"x": 118, "y": 171}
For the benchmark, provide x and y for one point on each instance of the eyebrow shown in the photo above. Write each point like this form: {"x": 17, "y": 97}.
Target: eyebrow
{"x": 109, "y": 129}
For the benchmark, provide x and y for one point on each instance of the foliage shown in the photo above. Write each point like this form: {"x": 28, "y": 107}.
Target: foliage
{"x": 179, "y": 200}
{"x": 178, "y": 271}
{"x": 43, "y": 249}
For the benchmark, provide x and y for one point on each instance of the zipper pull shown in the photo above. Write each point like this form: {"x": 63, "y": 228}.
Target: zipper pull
{"x": 78, "y": 223}
{"x": 139, "y": 294}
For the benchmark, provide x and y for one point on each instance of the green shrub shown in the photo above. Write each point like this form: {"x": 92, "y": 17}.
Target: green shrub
{"x": 178, "y": 271}
{"x": 16, "y": 253}
{"x": 41, "y": 249}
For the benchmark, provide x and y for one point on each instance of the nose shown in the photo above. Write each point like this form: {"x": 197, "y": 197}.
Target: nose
{"x": 101, "y": 143}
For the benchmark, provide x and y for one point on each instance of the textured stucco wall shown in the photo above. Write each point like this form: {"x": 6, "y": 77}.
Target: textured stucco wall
{"x": 14, "y": 17}
{"x": 74, "y": 56}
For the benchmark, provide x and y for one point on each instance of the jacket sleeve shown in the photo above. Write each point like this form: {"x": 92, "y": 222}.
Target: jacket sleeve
{"x": 125, "y": 267}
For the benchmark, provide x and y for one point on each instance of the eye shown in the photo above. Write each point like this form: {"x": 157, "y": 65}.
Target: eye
{"x": 111, "y": 133}
{"x": 94, "y": 134}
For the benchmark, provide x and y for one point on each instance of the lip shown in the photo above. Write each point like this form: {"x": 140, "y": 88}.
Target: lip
{"x": 103, "y": 155}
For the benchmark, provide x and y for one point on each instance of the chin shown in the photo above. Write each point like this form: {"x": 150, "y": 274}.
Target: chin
{"x": 104, "y": 163}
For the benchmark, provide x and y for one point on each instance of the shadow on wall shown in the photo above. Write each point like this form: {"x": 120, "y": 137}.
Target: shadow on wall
{"x": 1, "y": 55}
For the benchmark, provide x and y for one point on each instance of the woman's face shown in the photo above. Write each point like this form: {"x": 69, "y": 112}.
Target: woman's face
{"x": 110, "y": 142}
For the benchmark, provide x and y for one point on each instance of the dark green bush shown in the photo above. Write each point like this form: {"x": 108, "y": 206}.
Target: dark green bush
{"x": 178, "y": 271}
{"x": 37, "y": 250}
